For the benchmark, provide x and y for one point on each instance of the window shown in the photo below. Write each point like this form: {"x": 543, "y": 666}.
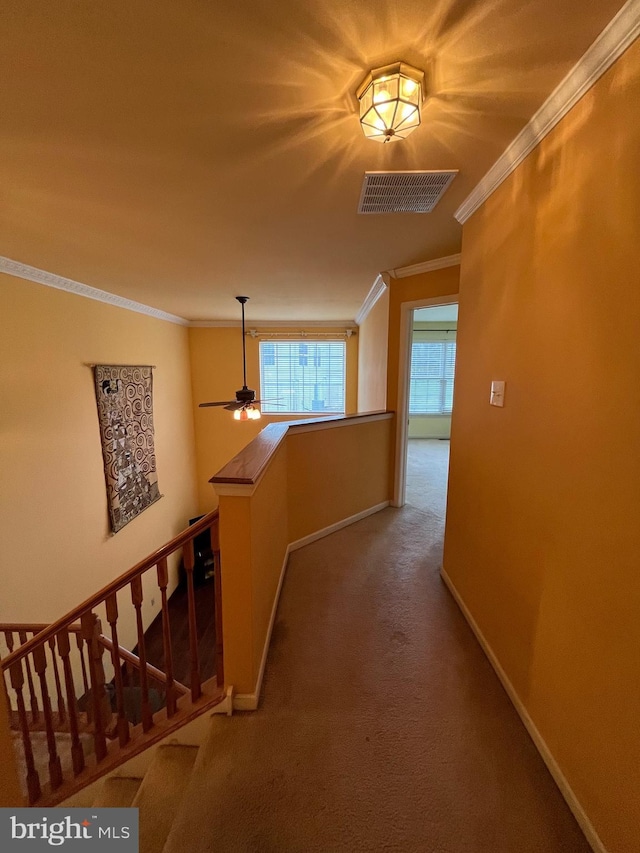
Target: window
{"x": 431, "y": 379}
{"x": 297, "y": 376}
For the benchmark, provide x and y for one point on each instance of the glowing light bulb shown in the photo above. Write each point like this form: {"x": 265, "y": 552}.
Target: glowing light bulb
{"x": 381, "y": 95}
{"x": 408, "y": 87}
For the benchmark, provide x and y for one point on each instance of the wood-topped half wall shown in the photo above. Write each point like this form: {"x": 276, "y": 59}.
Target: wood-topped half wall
{"x": 291, "y": 485}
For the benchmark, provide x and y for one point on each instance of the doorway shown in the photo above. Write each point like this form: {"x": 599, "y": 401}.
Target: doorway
{"x": 427, "y": 365}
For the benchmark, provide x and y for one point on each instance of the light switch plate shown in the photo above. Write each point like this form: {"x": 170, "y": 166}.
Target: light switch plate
{"x": 497, "y": 393}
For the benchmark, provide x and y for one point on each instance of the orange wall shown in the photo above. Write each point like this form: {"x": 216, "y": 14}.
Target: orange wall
{"x": 315, "y": 479}
{"x": 542, "y": 537}
{"x": 335, "y": 474}
{"x": 427, "y": 285}
{"x": 56, "y": 543}
{"x": 373, "y": 334}
{"x": 216, "y": 374}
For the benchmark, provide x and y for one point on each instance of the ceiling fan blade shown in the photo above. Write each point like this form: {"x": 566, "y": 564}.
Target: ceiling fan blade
{"x": 218, "y": 403}
{"x": 234, "y": 405}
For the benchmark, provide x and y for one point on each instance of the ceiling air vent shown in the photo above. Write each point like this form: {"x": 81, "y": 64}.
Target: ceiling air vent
{"x": 403, "y": 192}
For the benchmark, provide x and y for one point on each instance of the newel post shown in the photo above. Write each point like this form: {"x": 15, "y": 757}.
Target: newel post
{"x": 100, "y": 707}
{"x": 10, "y": 793}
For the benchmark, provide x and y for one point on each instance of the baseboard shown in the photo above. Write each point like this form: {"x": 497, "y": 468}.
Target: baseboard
{"x": 333, "y": 528}
{"x": 552, "y": 765}
{"x": 250, "y": 701}
{"x": 246, "y": 701}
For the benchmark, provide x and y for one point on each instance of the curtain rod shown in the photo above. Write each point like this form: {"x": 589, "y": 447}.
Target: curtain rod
{"x": 104, "y": 364}
{"x": 347, "y": 333}
{"x": 433, "y": 330}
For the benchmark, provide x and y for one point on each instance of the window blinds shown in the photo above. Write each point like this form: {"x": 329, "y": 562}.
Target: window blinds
{"x": 302, "y": 376}
{"x": 431, "y": 378}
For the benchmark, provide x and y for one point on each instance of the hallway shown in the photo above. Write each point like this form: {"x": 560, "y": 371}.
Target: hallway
{"x": 382, "y": 726}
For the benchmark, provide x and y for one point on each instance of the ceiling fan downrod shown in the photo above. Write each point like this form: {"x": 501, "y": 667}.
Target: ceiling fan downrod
{"x": 242, "y": 300}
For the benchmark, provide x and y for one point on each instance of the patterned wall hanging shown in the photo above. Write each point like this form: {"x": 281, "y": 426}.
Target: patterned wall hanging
{"x": 125, "y": 409}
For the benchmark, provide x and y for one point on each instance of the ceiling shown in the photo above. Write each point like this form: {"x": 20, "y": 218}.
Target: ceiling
{"x": 181, "y": 153}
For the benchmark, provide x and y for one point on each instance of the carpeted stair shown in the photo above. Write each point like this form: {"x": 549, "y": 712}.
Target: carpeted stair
{"x": 158, "y": 795}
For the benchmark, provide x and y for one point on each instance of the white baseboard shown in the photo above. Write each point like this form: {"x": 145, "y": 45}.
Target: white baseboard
{"x": 326, "y": 531}
{"x": 250, "y": 701}
{"x": 246, "y": 701}
{"x": 552, "y": 765}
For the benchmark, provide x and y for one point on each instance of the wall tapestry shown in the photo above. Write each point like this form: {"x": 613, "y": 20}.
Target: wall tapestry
{"x": 125, "y": 410}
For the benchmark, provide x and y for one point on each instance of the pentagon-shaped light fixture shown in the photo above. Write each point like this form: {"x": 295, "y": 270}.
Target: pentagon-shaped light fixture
{"x": 391, "y": 101}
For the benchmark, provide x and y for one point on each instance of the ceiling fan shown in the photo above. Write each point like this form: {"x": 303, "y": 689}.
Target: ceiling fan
{"x": 245, "y": 403}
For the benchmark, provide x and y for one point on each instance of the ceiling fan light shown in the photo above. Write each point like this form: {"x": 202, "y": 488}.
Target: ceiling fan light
{"x": 390, "y": 102}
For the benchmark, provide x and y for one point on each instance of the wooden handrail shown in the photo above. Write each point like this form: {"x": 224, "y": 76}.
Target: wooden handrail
{"x": 246, "y": 468}
{"x": 33, "y": 627}
{"x": 119, "y": 583}
{"x": 134, "y": 660}
{"x": 44, "y": 674}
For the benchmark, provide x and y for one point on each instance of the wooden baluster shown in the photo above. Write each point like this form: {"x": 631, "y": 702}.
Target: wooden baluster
{"x": 77, "y": 754}
{"x": 163, "y": 580}
{"x": 112, "y": 619}
{"x": 55, "y": 768}
{"x": 8, "y": 636}
{"x": 214, "y": 532}
{"x": 136, "y": 599}
{"x": 62, "y": 716}
{"x": 91, "y": 630}
{"x": 189, "y": 561}
{"x": 35, "y": 713}
{"x": 80, "y": 645}
{"x": 33, "y": 780}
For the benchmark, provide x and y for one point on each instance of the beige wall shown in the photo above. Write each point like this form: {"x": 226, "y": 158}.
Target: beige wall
{"x": 542, "y": 537}
{"x": 56, "y": 544}
{"x": 429, "y": 426}
{"x": 216, "y": 374}
{"x": 373, "y": 339}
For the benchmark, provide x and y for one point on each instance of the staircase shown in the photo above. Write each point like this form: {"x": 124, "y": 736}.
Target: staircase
{"x": 158, "y": 794}
{"x": 81, "y": 704}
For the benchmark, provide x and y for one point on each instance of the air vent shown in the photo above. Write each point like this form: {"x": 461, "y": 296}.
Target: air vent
{"x": 403, "y": 192}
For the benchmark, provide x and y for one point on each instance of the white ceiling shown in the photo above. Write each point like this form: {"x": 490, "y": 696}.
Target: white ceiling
{"x": 182, "y": 153}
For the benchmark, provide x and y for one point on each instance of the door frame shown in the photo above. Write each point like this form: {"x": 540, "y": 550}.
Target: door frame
{"x": 404, "y": 366}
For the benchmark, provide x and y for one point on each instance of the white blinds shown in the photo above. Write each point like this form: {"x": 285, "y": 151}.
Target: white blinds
{"x": 431, "y": 379}
{"x": 302, "y": 376}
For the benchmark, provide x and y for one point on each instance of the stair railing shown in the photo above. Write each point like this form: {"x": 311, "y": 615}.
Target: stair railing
{"x": 56, "y": 680}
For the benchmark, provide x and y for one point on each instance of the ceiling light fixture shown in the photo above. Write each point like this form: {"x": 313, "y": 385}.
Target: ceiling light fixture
{"x": 390, "y": 101}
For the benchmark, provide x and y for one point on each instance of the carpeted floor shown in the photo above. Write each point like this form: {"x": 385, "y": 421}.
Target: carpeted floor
{"x": 427, "y": 473}
{"x": 382, "y": 725}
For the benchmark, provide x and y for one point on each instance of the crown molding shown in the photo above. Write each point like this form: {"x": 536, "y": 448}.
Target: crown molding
{"x": 616, "y": 37}
{"x": 50, "y": 279}
{"x": 427, "y": 266}
{"x": 377, "y": 289}
{"x": 273, "y": 324}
